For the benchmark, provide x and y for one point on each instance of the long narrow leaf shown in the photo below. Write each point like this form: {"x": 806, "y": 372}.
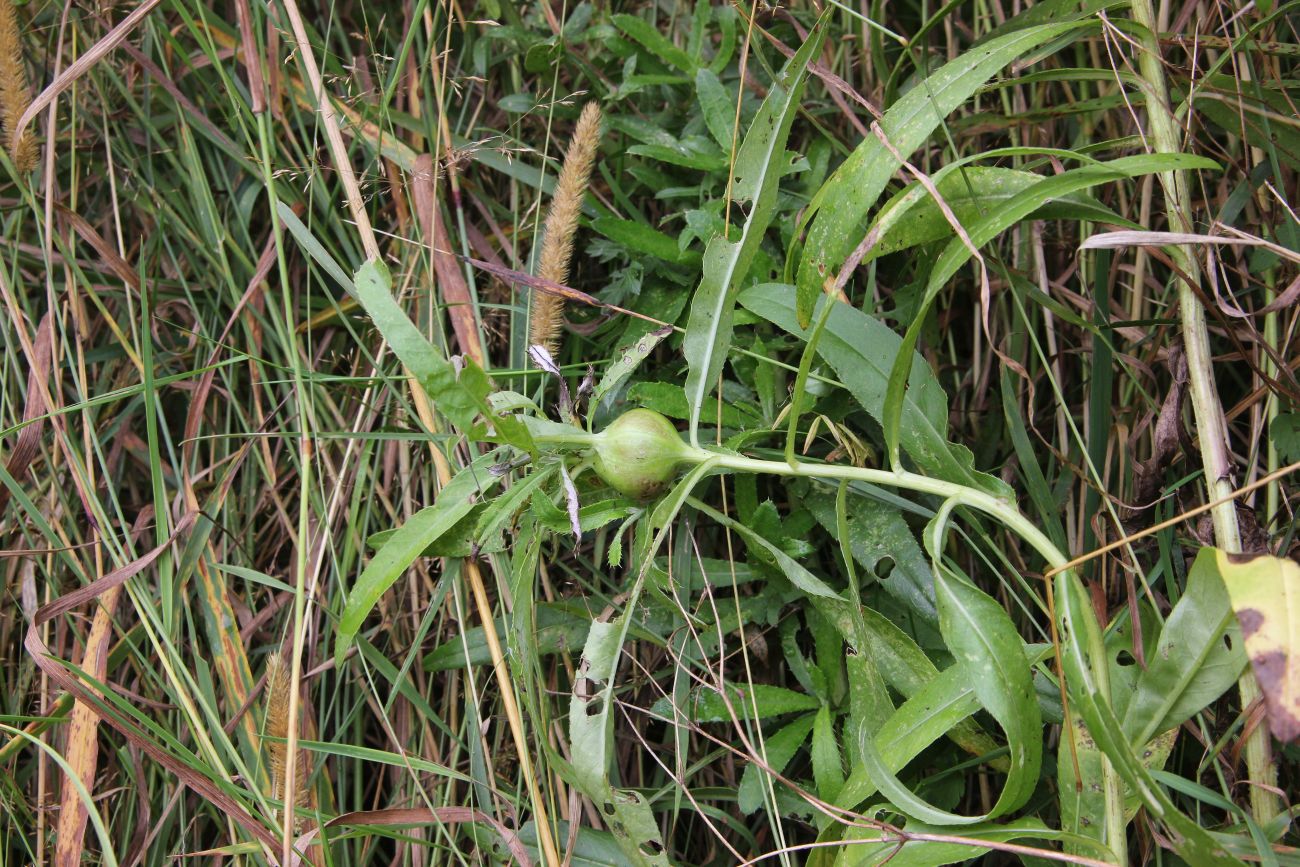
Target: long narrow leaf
{"x": 759, "y": 165}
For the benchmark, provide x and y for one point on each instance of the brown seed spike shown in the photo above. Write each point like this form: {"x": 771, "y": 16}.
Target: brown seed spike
{"x": 277, "y": 721}
{"x": 14, "y": 96}
{"x": 278, "y": 686}
{"x": 561, "y": 224}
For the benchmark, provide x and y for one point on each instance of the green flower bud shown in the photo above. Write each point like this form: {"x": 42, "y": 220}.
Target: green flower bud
{"x": 638, "y": 454}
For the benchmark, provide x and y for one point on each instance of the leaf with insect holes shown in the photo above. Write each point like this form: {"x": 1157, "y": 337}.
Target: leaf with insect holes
{"x": 1080, "y": 637}
{"x": 629, "y": 358}
{"x": 1197, "y": 658}
{"x": 590, "y": 728}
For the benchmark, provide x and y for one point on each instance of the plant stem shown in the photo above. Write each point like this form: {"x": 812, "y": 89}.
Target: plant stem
{"x": 1005, "y": 511}
{"x": 1211, "y": 427}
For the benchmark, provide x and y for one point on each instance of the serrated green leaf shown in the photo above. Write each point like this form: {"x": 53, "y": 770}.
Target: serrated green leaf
{"x": 655, "y": 42}
{"x": 779, "y": 749}
{"x": 717, "y": 105}
{"x": 828, "y": 765}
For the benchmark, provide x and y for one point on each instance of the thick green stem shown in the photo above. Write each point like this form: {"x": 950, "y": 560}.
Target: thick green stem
{"x": 1211, "y": 428}
{"x": 1006, "y": 512}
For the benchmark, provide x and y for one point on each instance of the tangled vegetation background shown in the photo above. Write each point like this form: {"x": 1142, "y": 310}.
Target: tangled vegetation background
{"x": 970, "y": 533}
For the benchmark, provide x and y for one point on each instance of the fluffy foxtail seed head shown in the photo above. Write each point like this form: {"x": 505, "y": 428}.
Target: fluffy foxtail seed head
{"x": 14, "y": 96}
{"x": 547, "y": 310}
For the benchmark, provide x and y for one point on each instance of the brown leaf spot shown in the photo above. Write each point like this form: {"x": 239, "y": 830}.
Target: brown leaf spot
{"x": 1251, "y": 620}
{"x": 1271, "y": 671}
{"x": 1242, "y": 559}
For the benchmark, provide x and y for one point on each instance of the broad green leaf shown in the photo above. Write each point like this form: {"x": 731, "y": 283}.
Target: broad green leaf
{"x": 422, "y": 529}
{"x": 726, "y": 262}
{"x": 877, "y": 534}
{"x": 990, "y": 656}
{"x": 718, "y": 107}
{"x": 1198, "y": 657}
{"x": 779, "y": 750}
{"x": 913, "y": 217}
{"x": 861, "y": 351}
{"x": 692, "y": 152}
{"x": 907, "y": 669}
{"x": 669, "y": 399}
{"x": 1081, "y": 644}
{"x": 655, "y": 42}
{"x": 842, "y": 204}
{"x": 1265, "y": 593}
{"x": 640, "y": 238}
{"x": 930, "y": 713}
{"x": 988, "y": 227}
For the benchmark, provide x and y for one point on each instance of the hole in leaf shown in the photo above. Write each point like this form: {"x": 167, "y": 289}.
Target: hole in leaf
{"x": 884, "y": 567}
{"x": 1227, "y": 641}
{"x": 651, "y": 848}
{"x": 608, "y": 807}
{"x": 1125, "y": 658}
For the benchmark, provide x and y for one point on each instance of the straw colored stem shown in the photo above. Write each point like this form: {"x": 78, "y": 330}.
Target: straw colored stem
{"x": 1211, "y": 428}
